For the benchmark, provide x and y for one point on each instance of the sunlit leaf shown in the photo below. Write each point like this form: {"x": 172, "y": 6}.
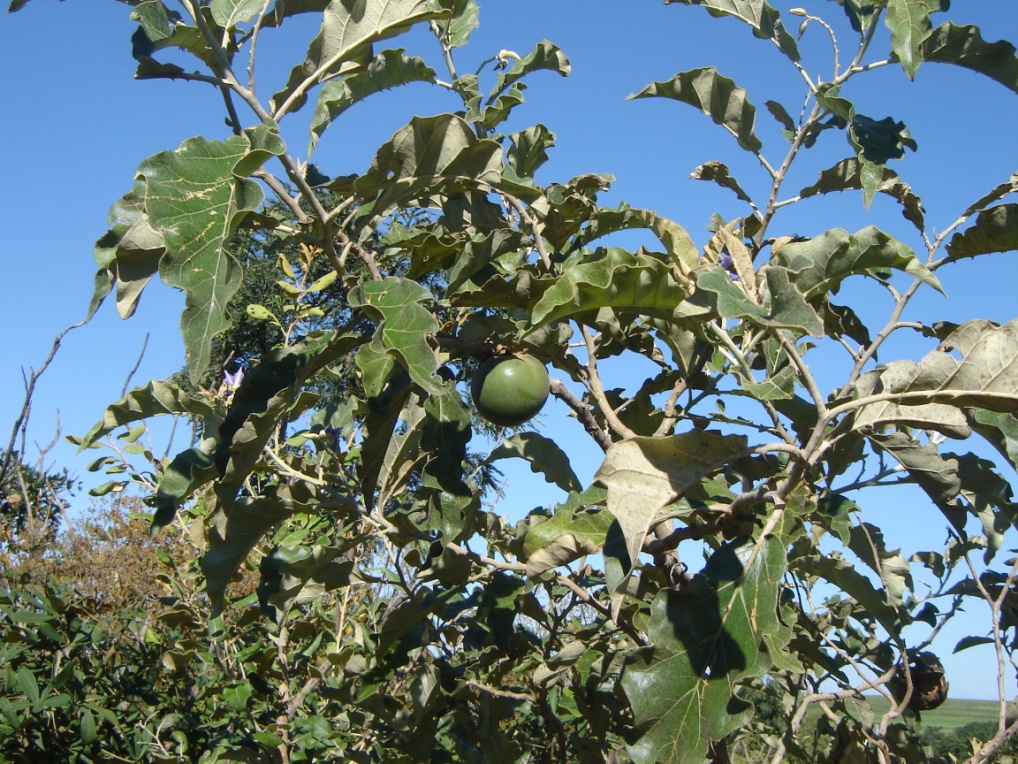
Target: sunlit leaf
{"x": 389, "y": 69}
{"x": 819, "y": 265}
{"x": 975, "y": 366}
{"x": 155, "y": 399}
{"x": 403, "y": 326}
{"x": 719, "y": 173}
{"x": 716, "y": 96}
{"x": 613, "y": 278}
{"x": 229, "y": 13}
{"x": 343, "y": 43}
{"x": 764, "y": 20}
{"x": 909, "y": 22}
{"x": 645, "y": 474}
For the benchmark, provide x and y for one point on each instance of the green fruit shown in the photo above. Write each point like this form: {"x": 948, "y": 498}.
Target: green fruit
{"x": 510, "y": 389}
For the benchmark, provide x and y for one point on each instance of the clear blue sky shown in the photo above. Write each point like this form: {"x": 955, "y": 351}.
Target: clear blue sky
{"x": 77, "y": 125}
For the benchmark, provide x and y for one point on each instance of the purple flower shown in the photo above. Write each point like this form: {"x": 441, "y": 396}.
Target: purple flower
{"x": 733, "y": 276}
{"x": 726, "y": 261}
{"x": 233, "y": 381}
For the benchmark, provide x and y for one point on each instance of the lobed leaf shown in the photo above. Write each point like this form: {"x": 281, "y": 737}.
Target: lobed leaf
{"x": 194, "y": 198}
{"x": 544, "y": 455}
{"x": 705, "y": 638}
{"x": 155, "y": 399}
{"x": 964, "y": 46}
{"x": 995, "y": 230}
{"x": 403, "y": 326}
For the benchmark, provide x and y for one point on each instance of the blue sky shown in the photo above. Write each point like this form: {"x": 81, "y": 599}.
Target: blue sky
{"x": 77, "y": 125}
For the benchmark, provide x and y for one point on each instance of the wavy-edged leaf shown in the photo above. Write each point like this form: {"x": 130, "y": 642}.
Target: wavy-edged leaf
{"x": 389, "y": 69}
{"x": 940, "y": 417}
{"x": 128, "y": 254}
{"x": 403, "y": 326}
{"x": 292, "y": 576}
{"x": 976, "y": 365}
{"x": 909, "y": 22}
{"x": 343, "y": 43}
{"x": 995, "y": 230}
{"x": 195, "y": 199}
{"x": 848, "y": 174}
{"x": 819, "y": 265}
{"x": 544, "y": 456}
{"x": 762, "y": 17}
{"x": 574, "y": 530}
{"x": 964, "y": 46}
{"x": 155, "y": 399}
{"x": 716, "y": 96}
{"x": 842, "y": 574}
{"x": 616, "y": 278}
{"x": 719, "y": 173}
{"x": 431, "y": 154}
{"x": 704, "y": 639}
{"x": 545, "y": 56}
{"x": 645, "y": 474}
{"x": 1001, "y": 430}
{"x": 676, "y": 240}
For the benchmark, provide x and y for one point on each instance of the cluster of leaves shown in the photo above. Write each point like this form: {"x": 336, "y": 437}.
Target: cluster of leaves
{"x": 577, "y": 633}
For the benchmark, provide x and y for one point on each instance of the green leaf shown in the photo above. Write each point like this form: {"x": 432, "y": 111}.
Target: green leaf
{"x": 873, "y": 601}
{"x": 462, "y": 23}
{"x": 403, "y": 326}
{"x": 995, "y": 230}
{"x": 155, "y": 399}
{"x": 940, "y": 417}
{"x": 848, "y": 174}
{"x": 528, "y": 150}
{"x": 611, "y": 278}
{"x": 292, "y": 576}
{"x": 716, "y": 96}
{"x": 764, "y": 20}
{"x": 195, "y": 200}
{"x": 429, "y": 155}
{"x": 964, "y": 46}
{"x": 544, "y": 455}
{"x": 909, "y": 22}
{"x": 860, "y": 12}
{"x": 704, "y": 639}
{"x": 1001, "y": 430}
{"x": 819, "y": 265}
{"x": 229, "y": 13}
{"x": 343, "y": 43}
{"x": 719, "y": 173}
{"x": 643, "y": 475}
{"x": 86, "y": 726}
{"x": 676, "y": 240}
{"x": 389, "y": 69}
{"x": 545, "y": 55}
{"x": 27, "y": 683}
{"x": 976, "y": 365}
{"x": 128, "y": 254}
{"x": 572, "y": 531}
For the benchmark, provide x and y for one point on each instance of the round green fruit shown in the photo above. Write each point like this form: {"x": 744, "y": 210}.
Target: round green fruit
{"x": 508, "y": 390}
